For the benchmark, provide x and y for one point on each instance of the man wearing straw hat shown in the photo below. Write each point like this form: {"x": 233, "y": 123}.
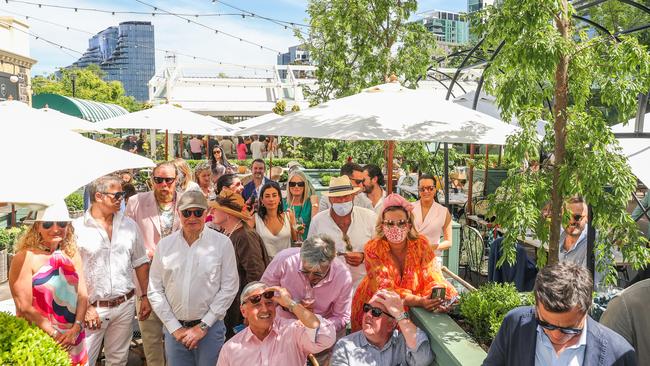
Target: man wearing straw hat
{"x": 348, "y": 225}
{"x": 230, "y": 214}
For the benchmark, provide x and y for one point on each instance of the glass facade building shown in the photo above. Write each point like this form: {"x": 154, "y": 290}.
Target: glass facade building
{"x": 126, "y": 53}
{"x": 449, "y": 28}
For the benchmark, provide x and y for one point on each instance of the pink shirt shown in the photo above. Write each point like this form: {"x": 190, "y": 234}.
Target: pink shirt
{"x": 241, "y": 151}
{"x": 288, "y": 344}
{"x": 195, "y": 145}
{"x": 333, "y": 293}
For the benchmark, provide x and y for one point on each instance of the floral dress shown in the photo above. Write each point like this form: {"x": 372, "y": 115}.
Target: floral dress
{"x": 420, "y": 274}
{"x": 54, "y": 289}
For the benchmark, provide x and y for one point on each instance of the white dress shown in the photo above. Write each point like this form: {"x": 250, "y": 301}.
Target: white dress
{"x": 274, "y": 243}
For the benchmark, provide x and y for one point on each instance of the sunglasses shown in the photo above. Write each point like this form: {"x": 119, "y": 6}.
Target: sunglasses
{"x": 577, "y": 217}
{"x": 197, "y": 213}
{"x": 159, "y": 180}
{"x": 255, "y": 299}
{"x": 296, "y": 184}
{"x": 116, "y": 195}
{"x": 316, "y": 274}
{"x": 375, "y": 312}
{"x": 48, "y": 224}
{"x": 400, "y": 223}
{"x": 357, "y": 181}
{"x": 427, "y": 189}
{"x": 564, "y": 330}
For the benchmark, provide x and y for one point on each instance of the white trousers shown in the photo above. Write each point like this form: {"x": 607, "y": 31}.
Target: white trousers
{"x": 116, "y": 332}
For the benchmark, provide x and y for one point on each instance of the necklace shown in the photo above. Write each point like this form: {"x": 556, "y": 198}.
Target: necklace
{"x": 228, "y": 233}
{"x": 44, "y": 247}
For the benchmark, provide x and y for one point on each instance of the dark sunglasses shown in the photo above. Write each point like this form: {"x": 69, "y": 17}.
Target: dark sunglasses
{"x": 159, "y": 180}
{"x": 257, "y": 298}
{"x": 427, "y": 189}
{"x": 48, "y": 224}
{"x": 357, "y": 181}
{"x": 296, "y": 184}
{"x": 197, "y": 213}
{"x": 116, "y": 195}
{"x": 577, "y": 217}
{"x": 375, "y": 312}
{"x": 564, "y": 330}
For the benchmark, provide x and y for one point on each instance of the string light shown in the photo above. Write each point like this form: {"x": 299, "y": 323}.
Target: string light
{"x": 135, "y": 44}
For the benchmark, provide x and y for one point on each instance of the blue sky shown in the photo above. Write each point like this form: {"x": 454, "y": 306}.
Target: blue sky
{"x": 171, "y": 32}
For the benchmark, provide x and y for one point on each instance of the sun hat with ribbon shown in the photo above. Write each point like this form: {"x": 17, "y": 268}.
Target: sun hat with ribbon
{"x": 340, "y": 186}
{"x": 232, "y": 204}
{"x": 56, "y": 212}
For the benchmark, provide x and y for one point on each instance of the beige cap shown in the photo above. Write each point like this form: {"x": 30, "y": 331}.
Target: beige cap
{"x": 192, "y": 199}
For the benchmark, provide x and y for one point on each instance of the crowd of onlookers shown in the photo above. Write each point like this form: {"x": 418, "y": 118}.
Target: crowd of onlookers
{"x": 220, "y": 272}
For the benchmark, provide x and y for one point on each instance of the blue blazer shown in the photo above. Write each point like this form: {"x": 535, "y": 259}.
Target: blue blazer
{"x": 516, "y": 340}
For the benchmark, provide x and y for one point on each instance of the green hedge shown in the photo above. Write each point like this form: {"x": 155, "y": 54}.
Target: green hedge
{"x": 485, "y": 308}
{"x": 75, "y": 202}
{"x": 9, "y": 237}
{"x": 24, "y": 344}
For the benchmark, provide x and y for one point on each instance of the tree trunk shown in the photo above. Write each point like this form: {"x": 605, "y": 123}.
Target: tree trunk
{"x": 560, "y": 114}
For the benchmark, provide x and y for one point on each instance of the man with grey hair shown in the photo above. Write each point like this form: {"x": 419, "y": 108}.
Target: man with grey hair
{"x": 558, "y": 330}
{"x": 313, "y": 277}
{"x": 111, "y": 246}
{"x": 270, "y": 340}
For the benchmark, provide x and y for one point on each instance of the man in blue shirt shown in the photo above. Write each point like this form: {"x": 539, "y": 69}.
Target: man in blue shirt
{"x": 252, "y": 188}
{"x": 558, "y": 330}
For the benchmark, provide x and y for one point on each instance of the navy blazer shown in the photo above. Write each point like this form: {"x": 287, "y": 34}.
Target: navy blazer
{"x": 516, "y": 340}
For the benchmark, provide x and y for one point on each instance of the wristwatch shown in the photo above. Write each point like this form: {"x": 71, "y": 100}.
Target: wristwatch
{"x": 80, "y": 323}
{"x": 203, "y": 326}
{"x": 403, "y": 316}
{"x": 292, "y": 305}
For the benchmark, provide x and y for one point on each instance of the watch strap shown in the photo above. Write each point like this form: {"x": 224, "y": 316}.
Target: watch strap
{"x": 402, "y": 316}
{"x": 203, "y": 326}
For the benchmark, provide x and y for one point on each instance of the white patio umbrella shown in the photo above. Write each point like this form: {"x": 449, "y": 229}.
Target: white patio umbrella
{"x": 255, "y": 121}
{"x": 389, "y": 112}
{"x": 52, "y": 117}
{"x": 637, "y": 151}
{"x": 56, "y": 162}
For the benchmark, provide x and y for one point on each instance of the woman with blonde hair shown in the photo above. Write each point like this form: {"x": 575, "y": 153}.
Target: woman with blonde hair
{"x": 202, "y": 176}
{"x": 301, "y": 199}
{"x": 47, "y": 281}
{"x": 185, "y": 181}
{"x": 401, "y": 260}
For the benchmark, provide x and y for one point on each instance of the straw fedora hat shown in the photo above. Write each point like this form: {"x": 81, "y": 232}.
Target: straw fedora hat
{"x": 56, "y": 212}
{"x": 230, "y": 203}
{"x": 340, "y": 186}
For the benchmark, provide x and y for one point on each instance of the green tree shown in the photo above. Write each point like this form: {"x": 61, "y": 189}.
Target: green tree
{"x": 543, "y": 46}
{"x": 360, "y": 43}
{"x": 88, "y": 85}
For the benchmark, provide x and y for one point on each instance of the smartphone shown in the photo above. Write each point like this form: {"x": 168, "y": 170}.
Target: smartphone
{"x": 438, "y": 293}
{"x": 251, "y": 203}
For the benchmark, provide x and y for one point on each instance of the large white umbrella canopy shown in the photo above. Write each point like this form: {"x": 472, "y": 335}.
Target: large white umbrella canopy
{"x": 170, "y": 118}
{"x": 629, "y": 126}
{"x": 45, "y": 164}
{"x": 255, "y": 121}
{"x": 637, "y": 151}
{"x": 389, "y": 112}
{"x": 19, "y": 111}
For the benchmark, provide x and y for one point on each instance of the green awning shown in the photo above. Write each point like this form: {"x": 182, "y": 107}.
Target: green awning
{"x": 87, "y": 109}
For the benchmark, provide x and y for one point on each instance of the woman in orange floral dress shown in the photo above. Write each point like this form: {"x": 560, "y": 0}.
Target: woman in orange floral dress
{"x": 401, "y": 260}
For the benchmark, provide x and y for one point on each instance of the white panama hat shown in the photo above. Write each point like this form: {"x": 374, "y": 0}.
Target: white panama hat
{"x": 55, "y": 212}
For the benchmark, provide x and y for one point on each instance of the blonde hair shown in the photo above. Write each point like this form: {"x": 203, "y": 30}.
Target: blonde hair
{"x": 32, "y": 238}
{"x": 379, "y": 227}
{"x": 181, "y": 166}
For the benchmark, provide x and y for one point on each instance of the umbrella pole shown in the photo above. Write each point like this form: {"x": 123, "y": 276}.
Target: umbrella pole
{"x": 152, "y": 144}
{"x": 391, "y": 150}
{"x": 470, "y": 177}
{"x": 446, "y": 177}
{"x": 180, "y": 145}
{"x": 207, "y": 147}
{"x": 166, "y": 144}
{"x": 487, "y": 166}
{"x": 270, "y": 165}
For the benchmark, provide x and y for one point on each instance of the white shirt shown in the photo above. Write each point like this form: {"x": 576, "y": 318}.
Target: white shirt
{"x": 256, "y": 149}
{"x": 379, "y": 207}
{"x": 193, "y": 282}
{"x": 108, "y": 264}
{"x": 361, "y": 230}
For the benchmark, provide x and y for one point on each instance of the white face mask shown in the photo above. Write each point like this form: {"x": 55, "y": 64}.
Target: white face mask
{"x": 342, "y": 209}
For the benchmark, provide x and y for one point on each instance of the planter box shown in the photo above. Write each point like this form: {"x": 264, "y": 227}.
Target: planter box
{"x": 451, "y": 345}
{"x": 4, "y": 268}
{"x": 494, "y": 179}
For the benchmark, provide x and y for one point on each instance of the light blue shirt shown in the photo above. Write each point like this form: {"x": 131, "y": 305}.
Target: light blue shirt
{"x": 355, "y": 350}
{"x": 545, "y": 354}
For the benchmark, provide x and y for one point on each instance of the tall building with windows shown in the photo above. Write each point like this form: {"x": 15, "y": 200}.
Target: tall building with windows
{"x": 125, "y": 53}
{"x": 449, "y": 28}
{"x": 476, "y": 5}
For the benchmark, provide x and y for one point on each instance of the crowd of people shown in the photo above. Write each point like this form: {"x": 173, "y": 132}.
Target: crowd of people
{"x": 218, "y": 272}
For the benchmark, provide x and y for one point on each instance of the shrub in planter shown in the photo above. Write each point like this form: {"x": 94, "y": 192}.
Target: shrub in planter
{"x": 484, "y": 309}
{"x": 75, "y": 202}
{"x": 9, "y": 237}
{"x": 25, "y": 344}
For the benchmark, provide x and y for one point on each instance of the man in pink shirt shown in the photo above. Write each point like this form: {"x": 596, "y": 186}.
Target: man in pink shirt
{"x": 270, "y": 341}
{"x": 313, "y": 277}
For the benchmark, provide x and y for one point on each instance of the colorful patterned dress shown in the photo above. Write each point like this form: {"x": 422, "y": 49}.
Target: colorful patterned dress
{"x": 54, "y": 289}
{"x": 420, "y": 274}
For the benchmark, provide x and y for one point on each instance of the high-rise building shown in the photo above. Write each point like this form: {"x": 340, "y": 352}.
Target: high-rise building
{"x": 297, "y": 55}
{"x": 125, "y": 53}
{"x": 449, "y": 28}
{"x": 476, "y": 5}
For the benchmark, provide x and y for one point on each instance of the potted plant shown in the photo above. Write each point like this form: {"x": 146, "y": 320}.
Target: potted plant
{"x": 25, "y": 344}
{"x": 8, "y": 239}
{"x": 75, "y": 203}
